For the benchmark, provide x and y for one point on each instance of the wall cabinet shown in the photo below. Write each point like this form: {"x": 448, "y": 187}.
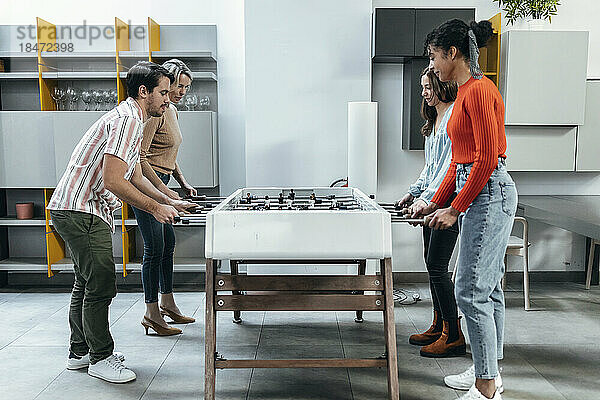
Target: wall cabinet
{"x": 394, "y": 34}
{"x": 399, "y": 33}
{"x": 588, "y": 135}
{"x": 540, "y": 83}
{"x": 547, "y": 110}
{"x": 541, "y": 148}
{"x": 412, "y": 121}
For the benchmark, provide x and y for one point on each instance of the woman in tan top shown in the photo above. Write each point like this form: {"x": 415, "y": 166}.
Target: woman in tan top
{"x": 158, "y": 158}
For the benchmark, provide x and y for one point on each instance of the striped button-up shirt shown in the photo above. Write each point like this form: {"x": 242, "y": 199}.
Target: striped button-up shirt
{"x": 81, "y": 188}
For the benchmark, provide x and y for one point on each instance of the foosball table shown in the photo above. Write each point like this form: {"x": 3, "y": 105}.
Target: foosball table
{"x": 324, "y": 226}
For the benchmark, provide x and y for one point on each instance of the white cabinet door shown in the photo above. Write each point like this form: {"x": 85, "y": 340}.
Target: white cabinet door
{"x": 541, "y": 148}
{"x": 543, "y": 77}
{"x": 197, "y": 156}
{"x": 68, "y": 128}
{"x": 26, "y": 150}
{"x": 588, "y": 137}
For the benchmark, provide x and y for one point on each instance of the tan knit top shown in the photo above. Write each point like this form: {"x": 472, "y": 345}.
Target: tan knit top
{"x": 161, "y": 141}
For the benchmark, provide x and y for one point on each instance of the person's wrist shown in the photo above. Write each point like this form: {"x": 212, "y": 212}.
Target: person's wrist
{"x": 453, "y": 211}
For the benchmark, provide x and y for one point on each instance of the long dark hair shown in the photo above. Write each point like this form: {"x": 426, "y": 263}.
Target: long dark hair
{"x": 455, "y": 33}
{"x": 444, "y": 91}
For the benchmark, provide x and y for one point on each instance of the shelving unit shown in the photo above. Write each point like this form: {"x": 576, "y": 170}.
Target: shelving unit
{"x": 489, "y": 56}
{"x": 18, "y": 75}
{"x": 13, "y": 221}
{"x": 78, "y": 75}
{"x": 102, "y": 66}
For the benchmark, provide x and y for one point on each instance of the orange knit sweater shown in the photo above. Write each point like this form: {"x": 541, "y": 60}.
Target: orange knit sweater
{"x": 476, "y": 129}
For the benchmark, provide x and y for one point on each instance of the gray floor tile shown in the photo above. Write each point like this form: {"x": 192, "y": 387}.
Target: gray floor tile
{"x": 571, "y": 369}
{"x": 27, "y": 371}
{"x": 301, "y": 334}
{"x": 181, "y": 376}
{"x": 300, "y": 383}
{"x": 299, "y": 317}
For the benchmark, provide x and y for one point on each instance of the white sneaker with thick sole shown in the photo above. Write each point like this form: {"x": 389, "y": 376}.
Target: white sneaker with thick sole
{"x": 76, "y": 362}
{"x": 112, "y": 370}
{"x": 465, "y": 380}
{"x": 475, "y": 394}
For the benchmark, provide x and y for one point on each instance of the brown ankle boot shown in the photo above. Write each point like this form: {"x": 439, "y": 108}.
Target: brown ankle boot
{"x": 430, "y": 335}
{"x": 442, "y": 349}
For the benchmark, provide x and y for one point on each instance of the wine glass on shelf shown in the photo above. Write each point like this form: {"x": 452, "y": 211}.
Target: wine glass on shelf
{"x": 108, "y": 99}
{"x": 86, "y": 97}
{"x": 57, "y": 94}
{"x": 181, "y": 105}
{"x": 73, "y": 96}
{"x": 97, "y": 98}
{"x": 114, "y": 99}
{"x": 191, "y": 101}
{"x": 204, "y": 103}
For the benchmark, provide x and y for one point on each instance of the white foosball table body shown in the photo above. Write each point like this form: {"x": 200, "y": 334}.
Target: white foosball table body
{"x": 306, "y": 234}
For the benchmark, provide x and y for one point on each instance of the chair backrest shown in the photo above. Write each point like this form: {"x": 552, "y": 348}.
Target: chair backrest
{"x": 522, "y": 248}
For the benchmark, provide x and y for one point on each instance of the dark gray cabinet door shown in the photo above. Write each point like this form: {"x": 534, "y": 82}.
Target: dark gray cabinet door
{"x": 412, "y": 139}
{"x": 394, "y": 32}
{"x": 429, "y": 19}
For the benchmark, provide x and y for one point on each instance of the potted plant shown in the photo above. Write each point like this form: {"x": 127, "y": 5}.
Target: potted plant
{"x": 535, "y": 12}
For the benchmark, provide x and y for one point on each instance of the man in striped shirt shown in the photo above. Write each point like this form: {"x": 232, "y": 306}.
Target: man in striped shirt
{"x": 104, "y": 168}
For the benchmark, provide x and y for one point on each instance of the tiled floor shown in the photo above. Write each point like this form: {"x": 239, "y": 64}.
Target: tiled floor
{"x": 552, "y": 352}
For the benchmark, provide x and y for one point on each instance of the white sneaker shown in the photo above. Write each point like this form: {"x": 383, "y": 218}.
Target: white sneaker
{"x": 466, "y": 380}
{"x": 475, "y": 394}
{"x": 111, "y": 369}
{"x": 76, "y": 362}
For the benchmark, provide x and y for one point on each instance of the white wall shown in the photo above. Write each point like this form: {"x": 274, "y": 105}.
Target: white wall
{"x": 21, "y": 12}
{"x": 304, "y": 61}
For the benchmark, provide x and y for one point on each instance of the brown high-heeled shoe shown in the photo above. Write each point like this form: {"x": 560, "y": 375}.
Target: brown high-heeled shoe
{"x": 160, "y": 330}
{"x": 177, "y": 319}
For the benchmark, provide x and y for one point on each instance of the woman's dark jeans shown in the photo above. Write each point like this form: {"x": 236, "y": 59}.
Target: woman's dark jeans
{"x": 159, "y": 246}
{"x": 438, "y": 245}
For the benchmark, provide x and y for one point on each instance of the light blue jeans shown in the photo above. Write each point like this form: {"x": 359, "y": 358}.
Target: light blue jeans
{"x": 484, "y": 231}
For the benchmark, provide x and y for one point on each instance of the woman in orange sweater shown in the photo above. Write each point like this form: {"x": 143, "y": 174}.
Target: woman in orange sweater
{"x": 485, "y": 203}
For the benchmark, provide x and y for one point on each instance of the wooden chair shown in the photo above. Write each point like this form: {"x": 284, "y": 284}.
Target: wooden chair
{"x": 517, "y": 246}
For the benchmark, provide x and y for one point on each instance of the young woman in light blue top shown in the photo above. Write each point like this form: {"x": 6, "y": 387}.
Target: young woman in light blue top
{"x": 444, "y": 338}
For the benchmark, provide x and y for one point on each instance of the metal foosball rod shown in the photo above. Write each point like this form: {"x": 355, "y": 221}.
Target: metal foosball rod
{"x": 419, "y": 221}
{"x": 203, "y": 197}
{"x": 189, "y": 220}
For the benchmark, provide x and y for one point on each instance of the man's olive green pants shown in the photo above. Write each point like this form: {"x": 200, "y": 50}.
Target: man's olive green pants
{"x": 89, "y": 239}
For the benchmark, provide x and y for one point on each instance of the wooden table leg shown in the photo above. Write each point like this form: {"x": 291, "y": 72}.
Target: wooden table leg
{"x": 362, "y": 268}
{"x": 237, "y": 315}
{"x": 390, "y": 330}
{"x": 210, "y": 333}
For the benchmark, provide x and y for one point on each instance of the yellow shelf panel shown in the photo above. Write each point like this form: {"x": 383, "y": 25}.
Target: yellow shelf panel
{"x": 46, "y": 34}
{"x": 154, "y": 37}
{"x": 122, "y": 44}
